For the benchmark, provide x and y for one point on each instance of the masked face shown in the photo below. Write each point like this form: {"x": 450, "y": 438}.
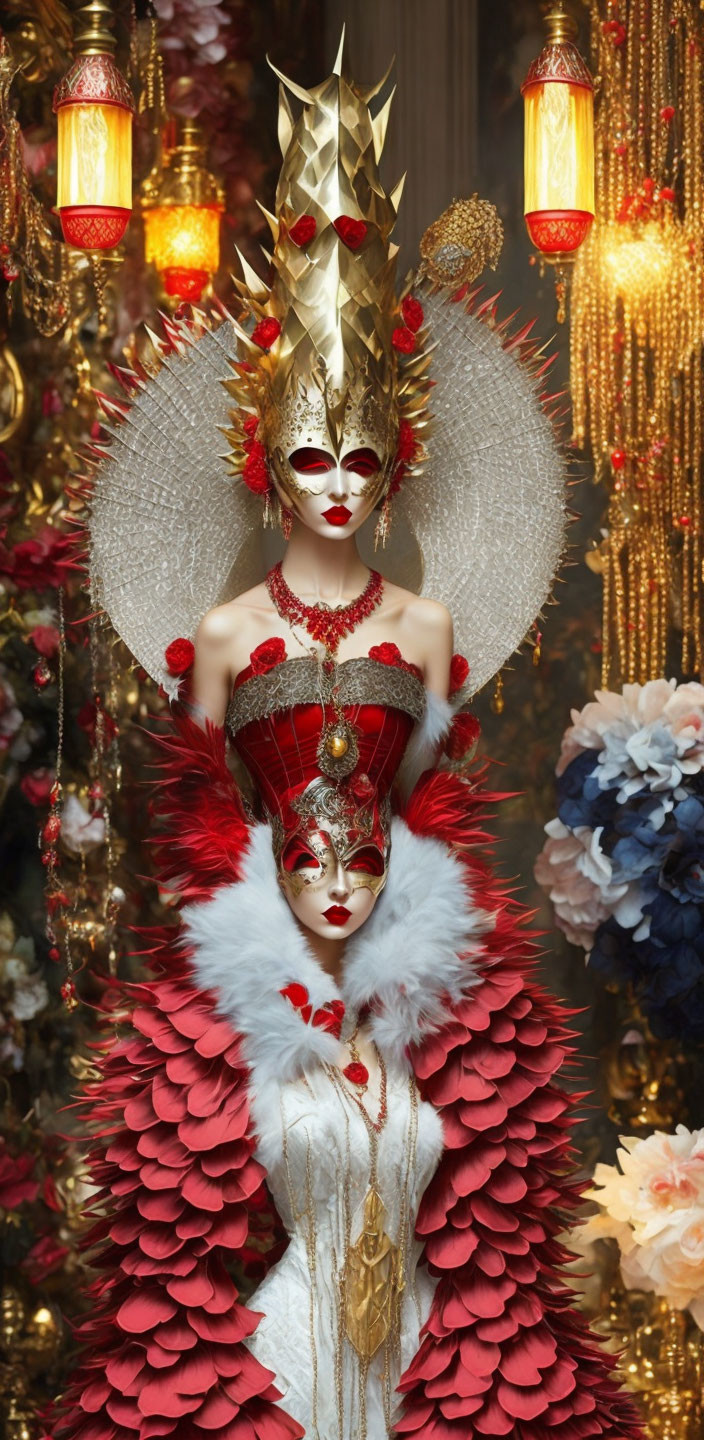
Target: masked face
{"x": 331, "y": 464}
{"x": 332, "y": 495}
{"x": 332, "y": 889}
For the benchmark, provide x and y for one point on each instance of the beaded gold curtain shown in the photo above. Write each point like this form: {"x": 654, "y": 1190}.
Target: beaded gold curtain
{"x": 638, "y": 334}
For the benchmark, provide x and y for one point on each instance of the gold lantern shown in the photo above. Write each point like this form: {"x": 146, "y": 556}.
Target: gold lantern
{"x": 182, "y": 211}
{"x": 558, "y": 94}
{"x": 94, "y": 108}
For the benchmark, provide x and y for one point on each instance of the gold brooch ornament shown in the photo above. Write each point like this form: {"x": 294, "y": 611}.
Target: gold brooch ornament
{"x": 460, "y": 244}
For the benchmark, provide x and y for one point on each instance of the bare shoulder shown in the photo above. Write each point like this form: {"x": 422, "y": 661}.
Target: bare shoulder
{"x": 430, "y": 615}
{"x": 221, "y": 623}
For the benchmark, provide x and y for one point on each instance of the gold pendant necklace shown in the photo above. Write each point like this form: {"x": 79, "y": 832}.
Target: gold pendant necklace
{"x": 373, "y": 1278}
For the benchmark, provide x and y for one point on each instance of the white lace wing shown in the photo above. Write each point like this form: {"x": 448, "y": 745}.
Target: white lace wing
{"x": 170, "y": 528}
{"x": 488, "y": 510}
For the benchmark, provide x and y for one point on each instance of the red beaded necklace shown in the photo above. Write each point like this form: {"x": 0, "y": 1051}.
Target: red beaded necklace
{"x": 322, "y": 621}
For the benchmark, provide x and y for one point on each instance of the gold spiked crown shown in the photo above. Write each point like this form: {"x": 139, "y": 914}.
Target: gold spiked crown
{"x": 327, "y": 353}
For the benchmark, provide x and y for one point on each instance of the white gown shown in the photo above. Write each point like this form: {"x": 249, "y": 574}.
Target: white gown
{"x": 319, "y": 1176}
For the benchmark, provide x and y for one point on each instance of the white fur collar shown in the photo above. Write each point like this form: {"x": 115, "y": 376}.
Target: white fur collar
{"x": 246, "y": 945}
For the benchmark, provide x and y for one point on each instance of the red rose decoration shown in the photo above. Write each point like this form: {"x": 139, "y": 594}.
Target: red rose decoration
{"x": 179, "y": 656}
{"x": 356, "y": 1073}
{"x": 303, "y": 231}
{"x": 255, "y": 471}
{"x": 389, "y": 654}
{"x": 351, "y": 232}
{"x": 267, "y": 655}
{"x": 404, "y": 340}
{"x": 250, "y": 425}
{"x": 464, "y": 734}
{"x": 267, "y": 332}
{"x": 459, "y": 670}
{"x": 386, "y": 654}
{"x": 413, "y": 313}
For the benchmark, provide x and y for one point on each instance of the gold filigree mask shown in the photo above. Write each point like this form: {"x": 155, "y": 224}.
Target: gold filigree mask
{"x": 311, "y": 859}
{"x": 311, "y": 433}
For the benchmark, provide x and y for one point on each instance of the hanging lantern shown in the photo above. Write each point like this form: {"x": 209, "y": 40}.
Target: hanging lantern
{"x": 182, "y": 210}
{"x": 558, "y": 94}
{"x": 94, "y": 108}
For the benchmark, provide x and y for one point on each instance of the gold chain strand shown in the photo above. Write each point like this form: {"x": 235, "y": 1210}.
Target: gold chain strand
{"x": 638, "y": 322}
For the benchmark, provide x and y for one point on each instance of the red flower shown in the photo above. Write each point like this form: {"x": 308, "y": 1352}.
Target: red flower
{"x": 255, "y": 471}
{"x": 459, "y": 670}
{"x": 44, "y": 1258}
{"x": 16, "y": 1182}
{"x": 250, "y": 425}
{"x": 179, "y": 656}
{"x": 45, "y": 639}
{"x": 267, "y": 655}
{"x": 41, "y": 563}
{"x": 266, "y": 332}
{"x": 356, "y": 1073}
{"x": 464, "y": 734}
{"x": 36, "y": 785}
{"x": 412, "y": 312}
{"x": 351, "y": 232}
{"x": 403, "y": 340}
{"x": 386, "y": 654}
{"x": 389, "y": 654}
{"x": 303, "y": 231}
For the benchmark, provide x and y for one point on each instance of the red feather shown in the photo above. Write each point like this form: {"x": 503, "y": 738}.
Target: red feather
{"x": 204, "y": 829}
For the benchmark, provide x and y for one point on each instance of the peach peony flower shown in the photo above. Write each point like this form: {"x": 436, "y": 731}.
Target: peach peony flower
{"x": 576, "y": 873}
{"x": 654, "y": 1208}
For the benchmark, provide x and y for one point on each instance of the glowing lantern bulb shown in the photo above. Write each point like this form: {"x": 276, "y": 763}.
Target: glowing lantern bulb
{"x": 558, "y": 94}
{"x": 94, "y": 108}
{"x": 182, "y": 211}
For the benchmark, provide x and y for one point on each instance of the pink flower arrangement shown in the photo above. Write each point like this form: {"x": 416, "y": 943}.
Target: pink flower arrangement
{"x": 653, "y": 1206}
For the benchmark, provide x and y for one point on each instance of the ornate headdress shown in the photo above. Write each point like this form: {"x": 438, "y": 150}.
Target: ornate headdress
{"x": 328, "y": 354}
{"x": 328, "y": 345}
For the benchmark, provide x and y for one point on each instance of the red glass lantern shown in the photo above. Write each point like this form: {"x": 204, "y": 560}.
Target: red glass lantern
{"x": 558, "y": 94}
{"x": 182, "y": 207}
{"x": 94, "y": 108}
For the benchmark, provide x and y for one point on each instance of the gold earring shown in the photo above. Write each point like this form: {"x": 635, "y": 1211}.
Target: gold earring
{"x": 383, "y": 524}
{"x": 285, "y": 519}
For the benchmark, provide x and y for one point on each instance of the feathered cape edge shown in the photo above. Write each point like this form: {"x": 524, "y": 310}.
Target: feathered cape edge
{"x": 502, "y": 1351}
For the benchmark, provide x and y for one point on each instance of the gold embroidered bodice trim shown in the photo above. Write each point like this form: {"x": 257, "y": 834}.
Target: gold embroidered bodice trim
{"x": 359, "y": 681}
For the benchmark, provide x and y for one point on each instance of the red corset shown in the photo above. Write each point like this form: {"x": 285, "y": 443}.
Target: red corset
{"x": 278, "y": 723}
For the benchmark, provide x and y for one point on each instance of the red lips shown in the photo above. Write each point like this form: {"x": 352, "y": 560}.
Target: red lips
{"x": 337, "y": 914}
{"x": 337, "y": 515}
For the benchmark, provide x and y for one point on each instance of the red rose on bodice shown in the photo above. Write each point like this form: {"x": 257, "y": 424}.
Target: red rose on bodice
{"x": 267, "y": 655}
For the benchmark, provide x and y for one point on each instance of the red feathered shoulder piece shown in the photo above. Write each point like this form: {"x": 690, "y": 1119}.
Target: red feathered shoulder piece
{"x": 173, "y": 1159}
{"x": 203, "y": 830}
{"x": 503, "y": 1352}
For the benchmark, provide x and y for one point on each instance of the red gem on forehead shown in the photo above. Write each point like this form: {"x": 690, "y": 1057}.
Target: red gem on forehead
{"x": 328, "y": 626}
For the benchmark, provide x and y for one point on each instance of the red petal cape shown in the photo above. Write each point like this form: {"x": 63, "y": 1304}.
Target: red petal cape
{"x": 503, "y": 1351}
